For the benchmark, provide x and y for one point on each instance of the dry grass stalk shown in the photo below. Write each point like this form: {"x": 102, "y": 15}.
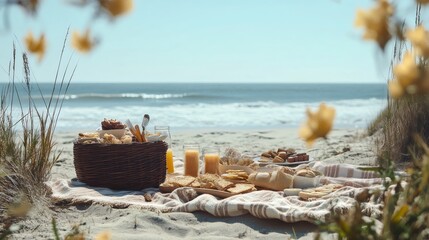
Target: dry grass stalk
{"x": 27, "y": 152}
{"x": 406, "y": 206}
{"x": 403, "y": 117}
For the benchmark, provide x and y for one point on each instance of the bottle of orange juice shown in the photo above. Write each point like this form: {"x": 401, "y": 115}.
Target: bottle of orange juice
{"x": 165, "y": 130}
{"x": 169, "y": 159}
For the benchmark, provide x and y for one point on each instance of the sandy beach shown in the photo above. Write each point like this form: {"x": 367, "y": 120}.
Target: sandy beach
{"x": 132, "y": 223}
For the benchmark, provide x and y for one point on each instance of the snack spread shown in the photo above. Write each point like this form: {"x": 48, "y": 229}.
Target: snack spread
{"x": 238, "y": 173}
{"x": 209, "y": 181}
{"x": 283, "y": 155}
{"x": 111, "y": 134}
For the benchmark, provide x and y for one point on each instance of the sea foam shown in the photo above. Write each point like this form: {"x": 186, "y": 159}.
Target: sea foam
{"x": 356, "y": 113}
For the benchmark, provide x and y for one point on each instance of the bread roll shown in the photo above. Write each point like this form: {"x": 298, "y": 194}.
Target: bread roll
{"x": 276, "y": 180}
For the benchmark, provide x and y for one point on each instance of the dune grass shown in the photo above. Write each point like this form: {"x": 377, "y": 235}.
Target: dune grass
{"x": 27, "y": 147}
{"x": 404, "y": 131}
{"x": 406, "y": 117}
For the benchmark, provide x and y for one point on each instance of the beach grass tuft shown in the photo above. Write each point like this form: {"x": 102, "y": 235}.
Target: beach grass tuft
{"x": 27, "y": 146}
{"x": 404, "y": 118}
{"x": 405, "y": 198}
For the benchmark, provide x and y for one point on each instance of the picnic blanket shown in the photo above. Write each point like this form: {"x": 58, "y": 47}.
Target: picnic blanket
{"x": 261, "y": 204}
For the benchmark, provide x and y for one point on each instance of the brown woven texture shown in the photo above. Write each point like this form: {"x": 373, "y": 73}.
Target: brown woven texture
{"x": 121, "y": 166}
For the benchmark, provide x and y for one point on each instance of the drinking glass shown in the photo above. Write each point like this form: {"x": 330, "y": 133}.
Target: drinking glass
{"x": 165, "y": 131}
{"x": 191, "y": 159}
{"x": 211, "y": 159}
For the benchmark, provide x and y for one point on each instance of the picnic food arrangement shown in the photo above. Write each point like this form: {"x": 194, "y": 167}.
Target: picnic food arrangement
{"x": 283, "y": 155}
{"x": 207, "y": 181}
{"x": 145, "y": 159}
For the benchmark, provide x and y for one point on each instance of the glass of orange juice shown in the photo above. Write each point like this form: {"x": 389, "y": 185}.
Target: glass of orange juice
{"x": 191, "y": 159}
{"x": 211, "y": 159}
{"x": 165, "y": 131}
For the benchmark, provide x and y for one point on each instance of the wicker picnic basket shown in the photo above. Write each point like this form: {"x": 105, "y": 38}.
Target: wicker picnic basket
{"x": 121, "y": 166}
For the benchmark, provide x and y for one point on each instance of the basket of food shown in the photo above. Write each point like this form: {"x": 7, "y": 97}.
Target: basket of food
{"x": 116, "y": 160}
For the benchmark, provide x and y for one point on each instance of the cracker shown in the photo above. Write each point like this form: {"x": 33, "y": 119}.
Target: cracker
{"x": 238, "y": 174}
{"x": 180, "y": 181}
{"x": 223, "y": 184}
{"x": 233, "y": 170}
{"x": 211, "y": 181}
{"x": 196, "y": 184}
{"x": 208, "y": 185}
{"x": 230, "y": 176}
{"x": 208, "y": 177}
{"x": 241, "y": 188}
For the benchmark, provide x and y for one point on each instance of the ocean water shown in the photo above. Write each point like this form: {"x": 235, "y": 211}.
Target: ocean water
{"x": 216, "y": 106}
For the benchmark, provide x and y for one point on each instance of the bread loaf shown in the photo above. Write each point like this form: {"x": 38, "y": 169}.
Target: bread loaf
{"x": 276, "y": 180}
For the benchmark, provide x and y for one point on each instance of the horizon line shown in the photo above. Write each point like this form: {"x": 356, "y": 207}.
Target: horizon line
{"x": 261, "y": 83}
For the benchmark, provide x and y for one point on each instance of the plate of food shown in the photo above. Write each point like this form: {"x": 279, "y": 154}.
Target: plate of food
{"x": 283, "y": 157}
{"x": 289, "y": 164}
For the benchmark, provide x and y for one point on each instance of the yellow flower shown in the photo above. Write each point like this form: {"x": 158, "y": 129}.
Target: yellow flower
{"x": 395, "y": 89}
{"x": 419, "y": 37}
{"x": 103, "y": 236}
{"x": 36, "y": 46}
{"x": 318, "y": 124}
{"x": 409, "y": 78}
{"x": 375, "y": 21}
{"x": 82, "y": 43}
{"x": 407, "y": 72}
{"x": 117, "y": 7}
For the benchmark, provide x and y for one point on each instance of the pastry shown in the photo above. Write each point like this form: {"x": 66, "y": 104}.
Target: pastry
{"x": 276, "y": 180}
{"x": 109, "y": 124}
{"x": 308, "y": 172}
{"x": 126, "y": 139}
{"x": 109, "y": 138}
{"x": 278, "y": 159}
{"x": 88, "y": 138}
{"x": 283, "y": 155}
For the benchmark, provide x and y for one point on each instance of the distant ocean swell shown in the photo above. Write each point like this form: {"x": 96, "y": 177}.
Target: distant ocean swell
{"x": 219, "y": 106}
{"x": 356, "y": 113}
{"x": 101, "y": 96}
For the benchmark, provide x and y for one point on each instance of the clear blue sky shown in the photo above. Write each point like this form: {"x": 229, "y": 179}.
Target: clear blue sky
{"x": 249, "y": 41}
